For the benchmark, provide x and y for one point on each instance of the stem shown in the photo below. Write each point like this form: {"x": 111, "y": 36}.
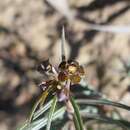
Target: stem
{"x": 76, "y": 123}
{"x": 77, "y": 115}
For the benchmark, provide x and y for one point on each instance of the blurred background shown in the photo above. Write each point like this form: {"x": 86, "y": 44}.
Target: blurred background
{"x": 97, "y": 35}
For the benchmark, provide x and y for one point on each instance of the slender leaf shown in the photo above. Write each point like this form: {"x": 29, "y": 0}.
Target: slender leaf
{"x": 40, "y": 123}
{"x": 23, "y": 126}
{"x": 124, "y": 124}
{"x": 50, "y": 114}
{"x": 41, "y": 99}
{"x": 38, "y": 113}
{"x": 76, "y": 112}
{"x": 102, "y": 102}
{"x": 42, "y": 110}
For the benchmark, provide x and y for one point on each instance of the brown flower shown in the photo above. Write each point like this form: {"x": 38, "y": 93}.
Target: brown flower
{"x": 68, "y": 72}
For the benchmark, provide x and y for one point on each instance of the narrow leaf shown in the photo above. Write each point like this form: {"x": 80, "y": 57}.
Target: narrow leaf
{"x": 41, "y": 99}
{"x": 102, "y": 102}
{"x": 38, "y": 124}
{"x": 51, "y": 112}
{"x": 37, "y": 114}
{"x": 124, "y": 124}
{"x": 76, "y": 112}
{"x": 42, "y": 110}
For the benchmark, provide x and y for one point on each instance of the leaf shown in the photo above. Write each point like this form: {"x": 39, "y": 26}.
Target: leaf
{"x": 42, "y": 110}
{"x": 50, "y": 114}
{"x": 23, "y": 126}
{"x": 38, "y": 113}
{"x": 122, "y": 123}
{"x": 77, "y": 114}
{"x": 41, "y": 99}
{"x": 40, "y": 123}
{"x": 102, "y": 102}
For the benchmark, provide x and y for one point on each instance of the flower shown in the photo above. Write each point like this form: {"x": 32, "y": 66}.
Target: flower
{"x": 67, "y": 74}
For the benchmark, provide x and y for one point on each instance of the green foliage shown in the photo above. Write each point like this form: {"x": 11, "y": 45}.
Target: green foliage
{"x": 77, "y": 114}
{"x": 39, "y": 122}
{"x": 50, "y": 114}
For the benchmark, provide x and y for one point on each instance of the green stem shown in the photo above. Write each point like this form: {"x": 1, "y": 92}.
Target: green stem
{"x": 51, "y": 112}
{"x": 77, "y": 114}
{"x": 76, "y": 123}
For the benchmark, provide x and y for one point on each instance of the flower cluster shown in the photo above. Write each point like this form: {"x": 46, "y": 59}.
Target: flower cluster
{"x": 67, "y": 73}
